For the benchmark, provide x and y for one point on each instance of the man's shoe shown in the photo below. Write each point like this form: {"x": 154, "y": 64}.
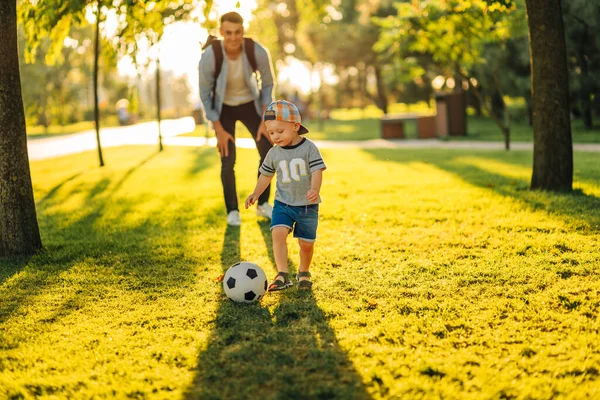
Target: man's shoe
{"x": 264, "y": 210}
{"x": 233, "y": 218}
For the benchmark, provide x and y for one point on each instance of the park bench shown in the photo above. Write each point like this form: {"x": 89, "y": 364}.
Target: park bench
{"x": 392, "y": 126}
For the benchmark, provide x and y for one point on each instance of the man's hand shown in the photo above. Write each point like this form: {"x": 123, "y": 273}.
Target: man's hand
{"x": 313, "y": 195}
{"x": 223, "y": 138}
{"x": 262, "y": 132}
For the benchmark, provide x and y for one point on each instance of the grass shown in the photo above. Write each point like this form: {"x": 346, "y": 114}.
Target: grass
{"x": 445, "y": 278}
{"x": 485, "y": 129}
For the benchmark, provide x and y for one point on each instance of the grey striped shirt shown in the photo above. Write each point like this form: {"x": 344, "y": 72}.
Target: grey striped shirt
{"x": 294, "y": 166}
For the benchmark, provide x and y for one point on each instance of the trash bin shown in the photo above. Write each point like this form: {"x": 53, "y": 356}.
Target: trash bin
{"x": 451, "y": 117}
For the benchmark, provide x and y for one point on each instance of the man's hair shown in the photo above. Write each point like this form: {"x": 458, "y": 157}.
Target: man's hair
{"x": 232, "y": 17}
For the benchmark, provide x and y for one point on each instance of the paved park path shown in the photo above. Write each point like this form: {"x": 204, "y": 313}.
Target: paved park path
{"x": 147, "y": 134}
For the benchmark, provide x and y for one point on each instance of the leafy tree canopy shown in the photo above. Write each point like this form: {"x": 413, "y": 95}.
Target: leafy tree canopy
{"x": 138, "y": 21}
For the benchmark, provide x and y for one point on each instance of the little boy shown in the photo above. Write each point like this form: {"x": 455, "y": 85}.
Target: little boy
{"x": 299, "y": 168}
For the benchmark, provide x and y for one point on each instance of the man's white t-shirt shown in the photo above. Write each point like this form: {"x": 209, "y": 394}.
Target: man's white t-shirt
{"x": 236, "y": 91}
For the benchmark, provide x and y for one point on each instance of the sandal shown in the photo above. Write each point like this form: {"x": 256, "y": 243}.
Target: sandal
{"x": 278, "y": 284}
{"x": 304, "y": 284}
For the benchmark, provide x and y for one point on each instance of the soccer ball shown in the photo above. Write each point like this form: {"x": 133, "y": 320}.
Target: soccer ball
{"x": 245, "y": 282}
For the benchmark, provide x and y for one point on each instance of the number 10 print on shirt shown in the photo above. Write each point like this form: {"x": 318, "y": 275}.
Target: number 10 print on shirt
{"x": 295, "y": 170}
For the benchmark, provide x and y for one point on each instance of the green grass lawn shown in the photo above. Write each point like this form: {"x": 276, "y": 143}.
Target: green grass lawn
{"x": 485, "y": 129}
{"x": 437, "y": 274}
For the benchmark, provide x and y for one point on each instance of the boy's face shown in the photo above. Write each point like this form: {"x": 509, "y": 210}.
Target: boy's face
{"x": 233, "y": 35}
{"x": 283, "y": 133}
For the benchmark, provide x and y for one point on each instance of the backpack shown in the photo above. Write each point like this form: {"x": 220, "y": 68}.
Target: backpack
{"x": 218, "y": 51}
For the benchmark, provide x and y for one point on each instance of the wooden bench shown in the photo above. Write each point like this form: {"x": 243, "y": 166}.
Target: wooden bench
{"x": 392, "y": 126}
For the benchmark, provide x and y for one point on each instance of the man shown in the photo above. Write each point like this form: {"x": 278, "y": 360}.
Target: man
{"x": 235, "y": 95}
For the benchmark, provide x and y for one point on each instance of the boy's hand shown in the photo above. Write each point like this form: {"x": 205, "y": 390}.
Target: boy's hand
{"x": 251, "y": 200}
{"x": 313, "y": 195}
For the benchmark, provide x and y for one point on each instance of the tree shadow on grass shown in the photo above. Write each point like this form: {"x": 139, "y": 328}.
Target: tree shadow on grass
{"x": 205, "y": 157}
{"x": 52, "y": 192}
{"x": 576, "y": 206}
{"x": 265, "y": 229}
{"x": 114, "y": 249}
{"x": 9, "y": 266}
{"x": 292, "y": 354}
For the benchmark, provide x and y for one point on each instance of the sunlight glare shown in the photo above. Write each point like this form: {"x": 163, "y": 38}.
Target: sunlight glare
{"x": 180, "y": 47}
{"x": 295, "y": 75}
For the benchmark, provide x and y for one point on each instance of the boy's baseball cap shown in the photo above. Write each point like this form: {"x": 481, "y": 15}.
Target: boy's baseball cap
{"x": 281, "y": 110}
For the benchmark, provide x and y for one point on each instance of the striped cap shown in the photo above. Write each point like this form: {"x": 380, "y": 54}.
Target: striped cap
{"x": 281, "y": 110}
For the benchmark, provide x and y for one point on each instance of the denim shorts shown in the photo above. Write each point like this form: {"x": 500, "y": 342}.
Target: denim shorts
{"x": 302, "y": 220}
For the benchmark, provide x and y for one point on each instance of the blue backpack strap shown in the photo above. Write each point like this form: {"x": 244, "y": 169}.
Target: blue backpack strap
{"x": 249, "y": 47}
{"x": 218, "y": 51}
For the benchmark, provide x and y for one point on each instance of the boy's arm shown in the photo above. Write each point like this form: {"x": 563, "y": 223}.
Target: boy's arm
{"x": 315, "y": 186}
{"x": 261, "y": 185}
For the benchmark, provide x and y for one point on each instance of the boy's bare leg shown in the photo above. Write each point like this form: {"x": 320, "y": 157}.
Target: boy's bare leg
{"x": 307, "y": 249}
{"x": 280, "y": 250}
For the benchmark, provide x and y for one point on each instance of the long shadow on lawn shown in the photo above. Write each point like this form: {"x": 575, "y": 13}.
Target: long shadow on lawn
{"x": 52, "y": 192}
{"x": 10, "y": 266}
{"x": 322, "y": 369}
{"x": 265, "y": 230}
{"x": 117, "y": 255}
{"x": 577, "y": 206}
{"x": 292, "y": 354}
{"x": 205, "y": 157}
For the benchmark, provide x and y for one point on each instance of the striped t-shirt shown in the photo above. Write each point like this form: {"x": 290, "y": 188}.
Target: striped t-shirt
{"x": 294, "y": 166}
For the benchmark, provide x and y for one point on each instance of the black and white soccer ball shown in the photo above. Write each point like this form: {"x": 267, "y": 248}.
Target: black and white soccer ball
{"x": 245, "y": 282}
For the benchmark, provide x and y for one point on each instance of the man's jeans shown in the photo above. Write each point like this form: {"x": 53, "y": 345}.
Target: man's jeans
{"x": 246, "y": 113}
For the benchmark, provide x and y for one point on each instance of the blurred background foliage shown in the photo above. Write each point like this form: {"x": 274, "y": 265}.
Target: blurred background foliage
{"x": 353, "y": 53}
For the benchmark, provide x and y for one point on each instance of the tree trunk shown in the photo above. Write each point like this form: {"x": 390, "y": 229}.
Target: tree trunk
{"x": 362, "y": 86}
{"x": 473, "y": 100}
{"x": 19, "y": 231}
{"x": 498, "y": 96}
{"x": 506, "y": 135}
{"x": 585, "y": 81}
{"x": 96, "y": 107}
{"x": 503, "y": 124}
{"x": 158, "y": 110}
{"x": 552, "y": 142}
{"x": 381, "y": 101}
{"x": 529, "y": 109}
{"x": 497, "y": 103}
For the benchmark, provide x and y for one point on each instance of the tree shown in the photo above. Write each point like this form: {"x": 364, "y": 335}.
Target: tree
{"x": 145, "y": 21}
{"x": 55, "y": 94}
{"x": 582, "y": 20}
{"x": 19, "y": 231}
{"x": 140, "y": 19}
{"x": 55, "y": 18}
{"x": 348, "y": 42}
{"x": 552, "y": 144}
{"x": 96, "y": 61}
{"x": 455, "y": 34}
